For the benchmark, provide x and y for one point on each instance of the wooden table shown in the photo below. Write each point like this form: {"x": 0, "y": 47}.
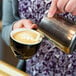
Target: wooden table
{"x": 9, "y": 70}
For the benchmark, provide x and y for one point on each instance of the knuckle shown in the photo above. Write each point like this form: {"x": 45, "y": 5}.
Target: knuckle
{"x": 58, "y": 6}
{"x": 67, "y": 9}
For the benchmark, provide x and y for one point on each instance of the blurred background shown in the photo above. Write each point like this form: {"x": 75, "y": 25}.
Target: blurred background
{"x": 5, "y": 52}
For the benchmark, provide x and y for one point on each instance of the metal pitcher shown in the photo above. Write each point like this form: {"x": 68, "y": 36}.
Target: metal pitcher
{"x": 59, "y": 31}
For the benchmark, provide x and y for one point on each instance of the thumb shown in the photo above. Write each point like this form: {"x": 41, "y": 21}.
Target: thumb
{"x": 34, "y": 26}
{"x": 53, "y": 8}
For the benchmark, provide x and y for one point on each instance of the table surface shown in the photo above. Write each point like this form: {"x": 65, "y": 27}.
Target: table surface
{"x": 9, "y": 70}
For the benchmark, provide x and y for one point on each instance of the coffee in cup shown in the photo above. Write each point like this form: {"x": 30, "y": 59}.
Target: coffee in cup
{"x": 27, "y": 37}
{"x": 25, "y": 42}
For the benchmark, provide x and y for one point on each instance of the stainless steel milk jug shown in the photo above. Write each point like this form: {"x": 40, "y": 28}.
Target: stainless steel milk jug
{"x": 59, "y": 31}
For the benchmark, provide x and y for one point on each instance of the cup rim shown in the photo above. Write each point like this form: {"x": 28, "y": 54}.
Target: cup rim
{"x": 24, "y": 29}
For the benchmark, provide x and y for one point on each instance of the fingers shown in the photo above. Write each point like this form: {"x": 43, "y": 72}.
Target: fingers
{"x": 24, "y": 23}
{"x": 61, "y": 5}
{"x": 71, "y": 6}
{"x": 17, "y": 25}
{"x": 34, "y": 26}
{"x": 74, "y": 12}
{"x": 52, "y": 10}
{"x": 29, "y": 24}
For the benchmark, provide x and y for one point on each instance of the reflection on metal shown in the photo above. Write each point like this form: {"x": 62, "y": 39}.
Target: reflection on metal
{"x": 72, "y": 32}
{"x": 62, "y": 33}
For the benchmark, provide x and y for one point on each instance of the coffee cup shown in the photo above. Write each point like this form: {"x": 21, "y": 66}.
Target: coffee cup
{"x": 24, "y": 42}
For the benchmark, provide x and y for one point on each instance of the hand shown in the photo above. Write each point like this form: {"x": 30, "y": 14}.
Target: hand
{"x": 61, "y": 6}
{"x": 24, "y": 23}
